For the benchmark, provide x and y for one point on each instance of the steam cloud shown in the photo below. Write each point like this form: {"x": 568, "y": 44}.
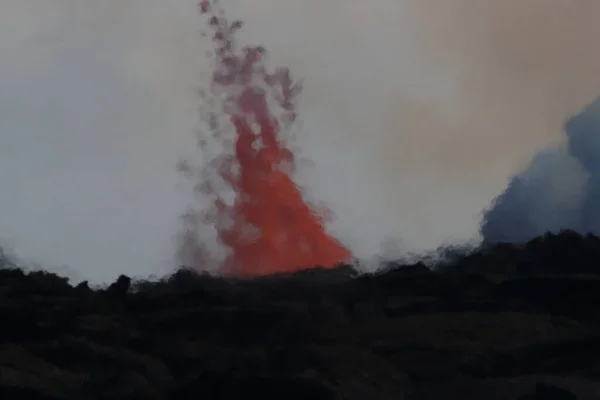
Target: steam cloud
{"x": 415, "y": 117}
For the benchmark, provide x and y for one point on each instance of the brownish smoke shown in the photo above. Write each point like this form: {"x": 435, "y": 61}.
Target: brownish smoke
{"x": 518, "y": 69}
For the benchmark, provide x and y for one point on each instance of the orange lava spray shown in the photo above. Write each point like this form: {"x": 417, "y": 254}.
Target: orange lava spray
{"x": 268, "y": 226}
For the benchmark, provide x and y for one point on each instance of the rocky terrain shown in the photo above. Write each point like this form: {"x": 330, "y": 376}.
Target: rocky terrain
{"x": 503, "y": 322}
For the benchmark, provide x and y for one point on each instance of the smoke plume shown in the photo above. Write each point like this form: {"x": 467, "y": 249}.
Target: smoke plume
{"x": 415, "y": 115}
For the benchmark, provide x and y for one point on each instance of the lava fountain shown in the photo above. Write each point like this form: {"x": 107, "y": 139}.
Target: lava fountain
{"x": 268, "y": 226}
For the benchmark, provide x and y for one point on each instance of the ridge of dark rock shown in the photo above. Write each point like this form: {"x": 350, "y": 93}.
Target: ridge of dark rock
{"x": 499, "y": 322}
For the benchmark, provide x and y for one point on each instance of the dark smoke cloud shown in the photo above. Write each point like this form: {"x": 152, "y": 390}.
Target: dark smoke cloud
{"x": 560, "y": 189}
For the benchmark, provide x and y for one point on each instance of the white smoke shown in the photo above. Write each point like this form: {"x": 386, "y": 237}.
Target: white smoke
{"x": 415, "y": 115}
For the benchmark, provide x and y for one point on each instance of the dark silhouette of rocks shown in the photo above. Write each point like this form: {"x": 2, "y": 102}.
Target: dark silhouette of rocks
{"x": 500, "y": 322}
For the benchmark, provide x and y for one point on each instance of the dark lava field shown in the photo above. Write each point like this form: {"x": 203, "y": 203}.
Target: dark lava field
{"x": 501, "y": 322}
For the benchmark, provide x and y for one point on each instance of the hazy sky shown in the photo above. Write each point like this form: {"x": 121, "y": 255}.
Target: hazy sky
{"x": 415, "y": 114}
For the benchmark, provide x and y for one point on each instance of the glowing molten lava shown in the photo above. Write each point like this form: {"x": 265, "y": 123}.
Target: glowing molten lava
{"x": 268, "y": 226}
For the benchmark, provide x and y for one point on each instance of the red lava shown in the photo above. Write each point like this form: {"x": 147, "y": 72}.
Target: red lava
{"x": 269, "y": 228}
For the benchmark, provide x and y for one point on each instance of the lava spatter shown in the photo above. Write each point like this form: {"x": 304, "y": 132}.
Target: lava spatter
{"x": 268, "y": 227}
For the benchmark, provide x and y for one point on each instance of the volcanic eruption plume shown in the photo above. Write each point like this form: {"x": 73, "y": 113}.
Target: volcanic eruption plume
{"x": 267, "y": 226}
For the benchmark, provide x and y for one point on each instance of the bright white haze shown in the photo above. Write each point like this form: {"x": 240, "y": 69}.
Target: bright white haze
{"x": 414, "y": 116}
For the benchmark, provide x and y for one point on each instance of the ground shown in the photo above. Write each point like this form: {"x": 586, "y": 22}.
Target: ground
{"x": 502, "y": 322}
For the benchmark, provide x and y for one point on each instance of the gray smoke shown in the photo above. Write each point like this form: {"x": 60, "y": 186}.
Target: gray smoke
{"x": 560, "y": 189}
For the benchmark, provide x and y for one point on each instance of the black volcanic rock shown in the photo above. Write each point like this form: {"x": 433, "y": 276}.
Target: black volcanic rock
{"x": 501, "y": 322}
